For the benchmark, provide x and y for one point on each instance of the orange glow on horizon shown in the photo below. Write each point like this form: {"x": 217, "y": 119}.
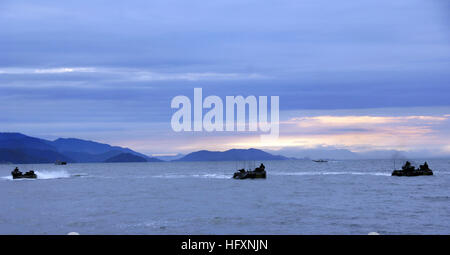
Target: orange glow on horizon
{"x": 356, "y": 133}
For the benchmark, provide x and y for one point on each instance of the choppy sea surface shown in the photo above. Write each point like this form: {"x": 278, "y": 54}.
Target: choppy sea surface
{"x": 298, "y": 197}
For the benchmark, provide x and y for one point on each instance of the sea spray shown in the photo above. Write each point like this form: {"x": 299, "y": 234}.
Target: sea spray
{"x": 44, "y": 175}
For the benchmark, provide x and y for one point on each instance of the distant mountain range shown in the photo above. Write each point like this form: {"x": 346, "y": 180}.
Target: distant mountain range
{"x": 329, "y": 152}
{"x": 21, "y": 149}
{"x": 169, "y": 157}
{"x": 230, "y": 155}
{"x": 125, "y": 157}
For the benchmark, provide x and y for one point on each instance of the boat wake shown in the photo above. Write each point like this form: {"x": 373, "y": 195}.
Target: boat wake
{"x": 223, "y": 176}
{"x": 47, "y": 175}
{"x": 205, "y": 175}
{"x": 332, "y": 173}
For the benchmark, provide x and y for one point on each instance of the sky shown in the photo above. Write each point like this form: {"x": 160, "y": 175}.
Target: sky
{"x": 357, "y": 75}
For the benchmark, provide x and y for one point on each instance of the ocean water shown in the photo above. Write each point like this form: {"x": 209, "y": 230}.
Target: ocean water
{"x": 298, "y": 197}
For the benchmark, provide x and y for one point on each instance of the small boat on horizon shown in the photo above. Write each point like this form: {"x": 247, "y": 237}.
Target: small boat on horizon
{"x": 60, "y": 163}
{"x": 320, "y": 160}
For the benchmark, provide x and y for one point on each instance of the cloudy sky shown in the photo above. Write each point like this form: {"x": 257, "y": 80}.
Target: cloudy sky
{"x": 360, "y": 75}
